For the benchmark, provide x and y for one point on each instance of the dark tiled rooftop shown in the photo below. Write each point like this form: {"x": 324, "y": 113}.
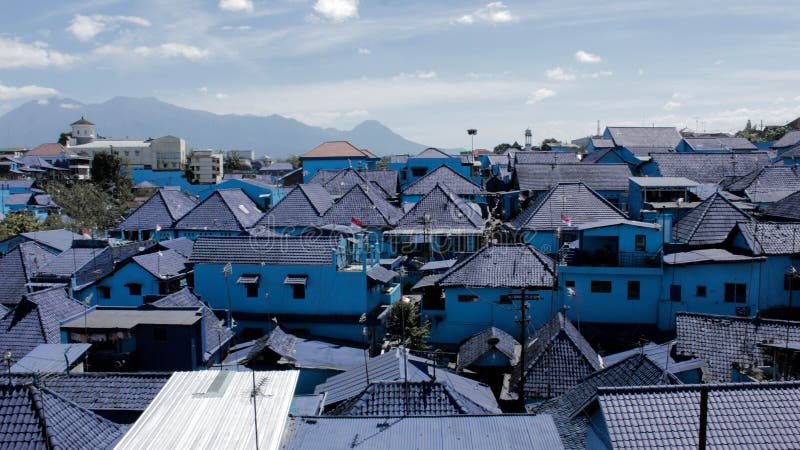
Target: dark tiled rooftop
{"x": 365, "y": 205}
{"x": 446, "y": 210}
{"x": 539, "y": 157}
{"x": 17, "y": 267}
{"x": 578, "y": 202}
{"x": 312, "y": 250}
{"x": 767, "y": 184}
{"x": 708, "y": 167}
{"x": 446, "y": 176}
{"x": 167, "y": 263}
{"x": 710, "y": 222}
{"x": 771, "y": 238}
{"x": 512, "y": 266}
{"x": 105, "y": 391}
{"x": 181, "y": 245}
{"x": 789, "y": 139}
{"x": 224, "y": 210}
{"x": 163, "y": 208}
{"x": 301, "y": 207}
{"x": 645, "y": 137}
{"x": 488, "y": 340}
{"x": 600, "y": 177}
{"x": 720, "y": 143}
{"x": 786, "y": 208}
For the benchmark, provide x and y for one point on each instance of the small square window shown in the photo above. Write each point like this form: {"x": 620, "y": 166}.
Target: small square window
{"x": 105, "y": 291}
{"x": 633, "y": 290}
{"x": 419, "y": 171}
{"x": 467, "y": 298}
{"x": 601, "y": 287}
{"x": 504, "y": 299}
{"x": 252, "y": 290}
{"x": 701, "y": 291}
{"x": 134, "y": 288}
{"x": 641, "y": 242}
{"x": 674, "y": 292}
{"x": 735, "y": 293}
{"x": 569, "y": 283}
{"x": 298, "y": 291}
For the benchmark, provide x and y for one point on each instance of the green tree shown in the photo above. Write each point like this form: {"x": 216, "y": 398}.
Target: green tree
{"x": 546, "y": 144}
{"x": 232, "y": 163}
{"x": 86, "y": 204}
{"x": 383, "y": 164}
{"x": 404, "y": 325}
{"x": 110, "y": 174}
{"x": 294, "y": 160}
{"x": 500, "y": 148}
{"x": 53, "y": 222}
{"x": 18, "y": 222}
{"x": 64, "y": 138}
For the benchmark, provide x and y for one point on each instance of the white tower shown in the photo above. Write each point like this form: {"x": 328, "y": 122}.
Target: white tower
{"x": 528, "y": 139}
{"x": 82, "y": 131}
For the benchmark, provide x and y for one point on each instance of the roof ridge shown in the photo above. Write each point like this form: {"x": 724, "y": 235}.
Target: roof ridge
{"x": 712, "y": 387}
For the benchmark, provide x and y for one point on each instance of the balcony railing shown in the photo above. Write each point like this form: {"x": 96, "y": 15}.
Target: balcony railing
{"x": 610, "y": 259}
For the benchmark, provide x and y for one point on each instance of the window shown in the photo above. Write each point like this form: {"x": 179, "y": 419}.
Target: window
{"x": 504, "y": 299}
{"x": 160, "y": 334}
{"x": 298, "y": 291}
{"x": 419, "y": 171}
{"x": 601, "y": 287}
{"x": 569, "y": 283}
{"x": 640, "y": 243}
{"x": 633, "y": 290}
{"x": 467, "y": 298}
{"x": 252, "y": 290}
{"x": 134, "y": 288}
{"x": 791, "y": 282}
{"x": 700, "y": 292}
{"x": 105, "y": 291}
{"x": 674, "y": 292}
{"x": 735, "y": 293}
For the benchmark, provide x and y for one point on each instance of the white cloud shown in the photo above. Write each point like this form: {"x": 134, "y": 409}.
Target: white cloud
{"x": 239, "y": 28}
{"x": 600, "y": 74}
{"x": 31, "y": 90}
{"x": 15, "y": 54}
{"x": 221, "y": 96}
{"x": 86, "y": 28}
{"x": 69, "y": 106}
{"x": 171, "y": 50}
{"x": 337, "y": 10}
{"x": 357, "y": 113}
{"x": 539, "y": 95}
{"x": 203, "y": 90}
{"x": 418, "y": 75}
{"x": 494, "y": 12}
{"x": 478, "y": 76}
{"x": 364, "y": 51}
{"x": 797, "y": 99}
{"x": 640, "y": 71}
{"x": 236, "y": 5}
{"x": 587, "y": 58}
{"x": 670, "y": 105}
{"x": 719, "y": 62}
{"x": 559, "y": 74}
{"x": 43, "y": 102}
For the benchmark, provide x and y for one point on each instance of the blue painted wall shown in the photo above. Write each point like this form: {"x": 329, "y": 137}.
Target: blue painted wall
{"x": 312, "y": 165}
{"x": 254, "y": 191}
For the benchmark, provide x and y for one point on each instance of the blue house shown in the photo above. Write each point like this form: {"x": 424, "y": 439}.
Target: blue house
{"x": 649, "y": 196}
{"x": 426, "y": 161}
{"x": 261, "y": 193}
{"x": 608, "y": 180}
{"x": 490, "y": 349}
{"x": 338, "y": 181}
{"x": 336, "y": 155}
{"x": 156, "y": 217}
{"x": 613, "y": 155}
{"x": 363, "y": 207}
{"x": 709, "y": 223}
{"x": 552, "y": 220}
{"x": 307, "y": 283}
{"x": 300, "y": 210}
{"x": 725, "y": 144}
{"x": 454, "y": 181}
{"x": 440, "y": 224}
{"x": 226, "y": 212}
{"x": 483, "y": 291}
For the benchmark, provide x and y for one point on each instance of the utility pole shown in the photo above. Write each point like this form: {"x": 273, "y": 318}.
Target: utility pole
{"x": 226, "y": 272}
{"x": 523, "y": 320}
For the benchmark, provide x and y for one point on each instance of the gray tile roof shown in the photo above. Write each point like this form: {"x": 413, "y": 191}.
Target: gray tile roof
{"x": 181, "y": 245}
{"x": 446, "y": 176}
{"x": 432, "y": 433}
{"x": 485, "y": 342}
{"x": 364, "y": 204}
{"x": 645, "y": 137}
{"x": 600, "y": 177}
{"x": 339, "y": 181}
{"x": 577, "y": 201}
{"x": 17, "y": 267}
{"x": 224, "y": 210}
{"x": 277, "y": 341}
{"x": 416, "y": 398}
{"x": 301, "y": 207}
{"x": 447, "y": 211}
{"x": 602, "y": 143}
{"x": 163, "y": 208}
{"x": 432, "y": 153}
{"x": 557, "y": 357}
{"x": 634, "y": 370}
{"x": 513, "y": 266}
{"x": 741, "y": 415}
{"x": 724, "y": 340}
{"x": 35, "y": 320}
{"x": 311, "y": 250}
{"x": 32, "y": 418}
{"x": 660, "y": 354}
{"x": 710, "y": 222}
{"x": 381, "y": 274}
{"x": 56, "y": 239}
{"x": 167, "y": 263}
{"x": 767, "y": 184}
{"x": 771, "y": 238}
{"x": 540, "y": 157}
{"x": 707, "y": 255}
{"x": 788, "y": 140}
{"x": 720, "y": 143}
{"x": 786, "y": 208}
{"x": 708, "y": 167}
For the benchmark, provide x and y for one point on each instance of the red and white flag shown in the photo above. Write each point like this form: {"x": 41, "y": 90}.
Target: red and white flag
{"x": 85, "y": 232}
{"x": 522, "y": 197}
{"x": 566, "y": 220}
{"x": 356, "y": 222}
{"x": 158, "y": 227}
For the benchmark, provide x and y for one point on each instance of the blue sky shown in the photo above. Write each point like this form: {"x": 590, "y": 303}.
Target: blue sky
{"x": 427, "y": 69}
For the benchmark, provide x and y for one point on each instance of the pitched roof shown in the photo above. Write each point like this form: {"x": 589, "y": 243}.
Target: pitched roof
{"x": 35, "y": 320}
{"x": 433, "y": 433}
{"x": 59, "y": 239}
{"x": 441, "y": 210}
{"x": 708, "y": 167}
{"x": 767, "y": 184}
{"x": 162, "y": 264}
{"x": 789, "y": 139}
{"x": 431, "y": 152}
{"x": 416, "y": 398}
{"x": 786, "y": 208}
{"x": 17, "y": 267}
{"x": 719, "y": 143}
{"x": 710, "y": 222}
{"x": 105, "y": 391}
{"x": 602, "y": 143}
{"x": 51, "y": 358}
{"x": 31, "y": 417}
{"x": 82, "y": 121}
{"x": 446, "y": 176}
{"x": 540, "y": 157}
{"x": 601, "y": 177}
{"x": 707, "y": 255}
{"x": 216, "y": 335}
{"x": 302, "y": 206}
{"x": 514, "y": 266}
{"x": 634, "y": 370}
{"x": 181, "y": 245}
{"x": 49, "y": 150}
{"x": 87, "y": 264}
{"x": 224, "y": 210}
{"x": 557, "y": 357}
{"x": 724, "y": 340}
{"x": 485, "y": 342}
{"x": 645, "y": 137}
{"x": 740, "y": 415}
{"x": 276, "y": 341}
{"x": 339, "y": 181}
{"x": 277, "y": 167}
{"x": 580, "y": 203}
{"x": 771, "y": 238}
{"x": 337, "y": 149}
{"x": 300, "y": 250}
{"x": 391, "y": 366}
{"x": 163, "y": 208}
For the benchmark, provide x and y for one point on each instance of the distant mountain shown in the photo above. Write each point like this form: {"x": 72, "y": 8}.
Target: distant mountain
{"x": 37, "y": 122}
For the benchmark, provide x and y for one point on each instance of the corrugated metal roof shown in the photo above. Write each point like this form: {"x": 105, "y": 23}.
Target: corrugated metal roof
{"x": 214, "y": 409}
{"x": 126, "y": 319}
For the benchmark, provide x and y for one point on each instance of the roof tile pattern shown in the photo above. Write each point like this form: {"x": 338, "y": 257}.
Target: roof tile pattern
{"x": 56, "y": 239}
{"x": 301, "y": 207}
{"x": 789, "y": 139}
{"x": 365, "y": 205}
{"x": 224, "y": 210}
{"x": 398, "y": 398}
{"x": 577, "y": 201}
{"x": 488, "y": 340}
{"x": 445, "y": 210}
{"x": 168, "y": 263}
{"x": 601, "y": 177}
{"x": 311, "y": 250}
{"x": 102, "y": 391}
{"x": 432, "y": 153}
{"x": 446, "y": 176}
{"x": 767, "y": 184}
{"x": 337, "y": 149}
{"x": 181, "y": 245}
{"x": 708, "y": 167}
{"x": 513, "y": 266}
{"x": 720, "y": 143}
{"x": 645, "y": 137}
{"x": 163, "y": 208}
{"x": 786, "y": 208}
{"x": 771, "y": 238}
{"x": 17, "y": 267}
{"x": 710, "y": 222}
{"x": 539, "y": 157}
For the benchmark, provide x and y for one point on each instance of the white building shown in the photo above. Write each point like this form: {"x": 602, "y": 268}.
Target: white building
{"x": 206, "y": 166}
